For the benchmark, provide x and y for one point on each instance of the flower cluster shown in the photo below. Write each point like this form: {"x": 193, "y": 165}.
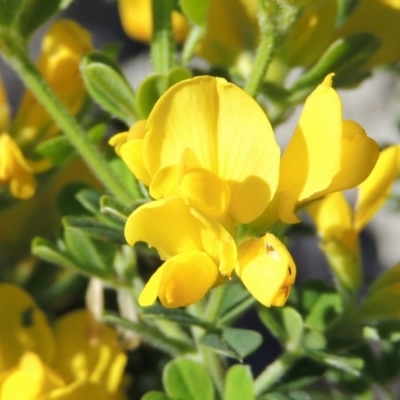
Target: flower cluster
{"x": 215, "y": 167}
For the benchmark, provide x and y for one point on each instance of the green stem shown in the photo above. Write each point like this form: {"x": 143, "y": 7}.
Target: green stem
{"x": 261, "y": 62}
{"x": 19, "y": 60}
{"x": 196, "y": 34}
{"x": 209, "y": 357}
{"x": 274, "y": 372}
{"x": 162, "y": 44}
{"x": 214, "y": 303}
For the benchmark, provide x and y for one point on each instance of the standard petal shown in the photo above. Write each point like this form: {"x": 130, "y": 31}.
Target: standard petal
{"x": 375, "y": 190}
{"x": 173, "y": 228}
{"x": 229, "y": 134}
{"x": 267, "y": 270}
{"x": 186, "y": 278}
{"x": 312, "y": 157}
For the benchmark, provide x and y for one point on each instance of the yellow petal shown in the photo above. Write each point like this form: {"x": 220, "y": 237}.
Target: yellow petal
{"x": 23, "y": 327}
{"x": 81, "y": 390}
{"x": 30, "y": 380}
{"x": 86, "y": 349}
{"x": 375, "y": 190}
{"x": 267, "y": 269}
{"x": 332, "y": 215}
{"x": 186, "y": 278}
{"x": 15, "y": 169}
{"x": 312, "y": 157}
{"x": 358, "y": 158}
{"x": 173, "y": 228}
{"x": 117, "y": 141}
{"x": 165, "y": 182}
{"x": 222, "y": 138}
{"x": 132, "y": 154}
{"x": 150, "y": 292}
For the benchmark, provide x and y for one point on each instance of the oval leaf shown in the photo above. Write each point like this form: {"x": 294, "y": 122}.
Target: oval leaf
{"x": 187, "y": 379}
{"x": 239, "y": 383}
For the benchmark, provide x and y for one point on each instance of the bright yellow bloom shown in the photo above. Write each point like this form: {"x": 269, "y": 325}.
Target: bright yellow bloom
{"x": 81, "y": 359}
{"x": 219, "y": 153}
{"x": 324, "y": 155}
{"x": 137, "y": 21}
{"x": 63, "y": 47}
{"x": 381, "y": 18}
{"x": 339, "y": 226}
{"x": 17, "y": 170}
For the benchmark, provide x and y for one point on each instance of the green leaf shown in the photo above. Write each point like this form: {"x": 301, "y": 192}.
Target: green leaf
{"x": 59, "y": 150}
{"x": 232, "y": 342}
{"x": 37, "y": 12}
{"x": 351, "y": 365}
{"x": 49, "y": 252}
{"x": 344, "y": 57}
{"x": 286, "y": 324}
{"x": 10, "y": 11}
{"x": 95, "y": 229}
{"x": 127, "y": 178}
{"x": 155, "y": 396}
{"x": 150, "y": 335}
{"x": 176, "y": 315}
{"x": 94, "y": 257}
{"x": 239, "y": 383}
{"x": 313, "y": 340}
{"x": 107, "y": 85}
{"x": 187, "y": 379}
{"x": 114, "y": 209}
{"x": 155, "y": 85}
{"x": 195, "y": 11}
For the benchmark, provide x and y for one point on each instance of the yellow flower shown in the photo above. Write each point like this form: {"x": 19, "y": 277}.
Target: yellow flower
{"x": 382, "y": 19}
{"x": 339, "y": 226}
{"x": 311, "y": 34}
{"x": 324, "y": 155}
{"x": 17, "y": 170}
{"x": 219, "y": 153}
{"x": 80, "y": 360}
{"x": 137, "y": 21}
{"x": 23, "y": 328}
{"x": 231, "y": 29}
{"x": 62, "y": 49}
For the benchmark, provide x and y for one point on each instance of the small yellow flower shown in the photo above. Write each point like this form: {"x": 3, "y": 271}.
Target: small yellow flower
{"x": 16, "y": 170}
{"x": 339, "y": 226}
{"x": 80, "y": 360}
{"x": 324, "y": 155}
{"x": 62, "y": 49}
{"x": 231, "y": 29}
{"x": 137, "y": 21}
